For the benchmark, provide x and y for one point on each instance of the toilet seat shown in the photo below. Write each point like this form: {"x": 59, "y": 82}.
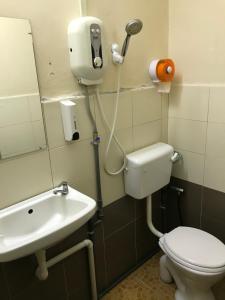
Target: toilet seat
{"x": 194, "y": 249}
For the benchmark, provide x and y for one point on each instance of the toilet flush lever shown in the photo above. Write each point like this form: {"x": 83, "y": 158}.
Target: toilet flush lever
{"x": 176, "y": 157}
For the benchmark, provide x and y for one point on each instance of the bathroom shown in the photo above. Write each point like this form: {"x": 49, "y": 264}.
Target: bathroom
{"x": 188, "y": 115}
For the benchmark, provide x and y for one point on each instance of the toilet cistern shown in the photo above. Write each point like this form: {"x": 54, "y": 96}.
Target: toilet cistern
{"x": 148, "y": 170}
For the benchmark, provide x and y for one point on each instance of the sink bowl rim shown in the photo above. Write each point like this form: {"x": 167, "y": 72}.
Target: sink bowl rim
{"x": 64, "y": 226}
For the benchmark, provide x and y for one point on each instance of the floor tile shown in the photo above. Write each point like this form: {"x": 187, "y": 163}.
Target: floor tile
{"x": 143, "y": 284}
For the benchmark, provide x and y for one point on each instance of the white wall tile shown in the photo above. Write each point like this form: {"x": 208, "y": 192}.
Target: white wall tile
{"x": 215, "y": 157}
{"x": 217, "y": 104}
{"x": 164, "y": 135}
{"x": 215, "y": 145}
{"x": 113, "y": 186}
{"x": 35, "y": 107}
{"x": 125, "y": 137}
{"x": 190, "y": 168}
{"x": 14, "y": 110}
{"x": 147, "y": 134}
{"x": 39, "y": 134}
{"x": 124, "y": 116}
{"x": 147, "y": 106}
{"x": 187, "y": 135}
{"x": 189, "y": 102}
{"x": 165, "y": 106}
{"x": 24, "y": 177}
{"x": 75, "y": 163}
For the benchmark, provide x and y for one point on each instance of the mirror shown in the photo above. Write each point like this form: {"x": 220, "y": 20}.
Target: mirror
{"x": 21, "y": 123}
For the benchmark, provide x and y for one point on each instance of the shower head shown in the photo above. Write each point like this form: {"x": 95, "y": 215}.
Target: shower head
{"x": 133, "y": 27}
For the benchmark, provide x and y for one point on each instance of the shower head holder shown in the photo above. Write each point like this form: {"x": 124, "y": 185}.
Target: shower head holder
{"x": 116, "y": 56}
{"x": 133, "y": 27}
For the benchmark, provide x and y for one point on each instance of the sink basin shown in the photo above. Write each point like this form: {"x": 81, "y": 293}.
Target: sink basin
{"x": 41, "y": 221}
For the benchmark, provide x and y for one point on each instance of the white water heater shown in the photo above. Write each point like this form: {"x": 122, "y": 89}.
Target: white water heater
{"x": 87, "y": 50}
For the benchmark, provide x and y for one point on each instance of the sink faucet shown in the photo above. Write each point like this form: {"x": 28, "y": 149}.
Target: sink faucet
{"x": 64, "y": 190}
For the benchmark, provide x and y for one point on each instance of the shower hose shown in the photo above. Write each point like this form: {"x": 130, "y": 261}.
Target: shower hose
{"x": 111, "y": 129}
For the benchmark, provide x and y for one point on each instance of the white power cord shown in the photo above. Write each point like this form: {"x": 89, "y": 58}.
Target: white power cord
{"x": 112, "y": 130}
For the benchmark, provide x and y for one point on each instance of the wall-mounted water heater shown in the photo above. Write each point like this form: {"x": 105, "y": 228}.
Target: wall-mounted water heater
{"x": 87, "y": 50}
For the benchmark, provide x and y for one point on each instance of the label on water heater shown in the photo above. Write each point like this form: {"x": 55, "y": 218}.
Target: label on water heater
{"x": 96, "y": 47}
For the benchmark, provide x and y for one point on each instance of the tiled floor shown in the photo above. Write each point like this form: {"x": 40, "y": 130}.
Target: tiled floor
{"x": 144, "y": 284}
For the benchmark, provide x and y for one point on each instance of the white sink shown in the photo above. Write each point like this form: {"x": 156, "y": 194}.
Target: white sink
{"x": 41, "y": 221}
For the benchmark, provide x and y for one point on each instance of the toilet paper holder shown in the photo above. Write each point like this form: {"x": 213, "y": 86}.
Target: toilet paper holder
{"x": 162, "y": 73}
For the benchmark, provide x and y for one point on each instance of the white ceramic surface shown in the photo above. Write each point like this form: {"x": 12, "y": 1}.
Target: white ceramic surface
{"x": 41, "y": 221}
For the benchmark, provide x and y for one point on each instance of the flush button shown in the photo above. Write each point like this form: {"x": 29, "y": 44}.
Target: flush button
{"x": 98, "y": 61}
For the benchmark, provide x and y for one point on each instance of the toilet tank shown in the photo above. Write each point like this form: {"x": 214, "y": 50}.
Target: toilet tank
{"x": 148, "y": 170}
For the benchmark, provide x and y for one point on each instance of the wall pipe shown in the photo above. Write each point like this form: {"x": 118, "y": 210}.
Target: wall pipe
{"x": 149, "y": 218}
{"x": 83, "y": 8}
{"x": 43, "y": 264}
{"x": 175, "y": 158}
{"x": 96, "y": 143}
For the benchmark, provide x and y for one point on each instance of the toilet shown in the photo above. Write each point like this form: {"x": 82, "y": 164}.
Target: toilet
{"x": 193, "y": 258}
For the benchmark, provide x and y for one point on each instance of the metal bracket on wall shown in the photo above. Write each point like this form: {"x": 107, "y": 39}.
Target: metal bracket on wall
{"x": 177, "y": 189}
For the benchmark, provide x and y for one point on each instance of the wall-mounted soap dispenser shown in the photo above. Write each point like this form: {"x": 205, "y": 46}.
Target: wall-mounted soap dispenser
{"x": 87, "y": 50}
{"x": 68, "y": 112}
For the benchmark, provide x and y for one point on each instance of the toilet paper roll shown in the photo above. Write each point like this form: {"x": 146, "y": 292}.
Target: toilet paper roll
{"x": 165, "y": 70}
{"x": 162, "y": 70}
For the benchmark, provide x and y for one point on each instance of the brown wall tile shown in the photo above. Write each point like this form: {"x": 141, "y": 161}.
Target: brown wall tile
{"x": 120, "y": 252}
{"x": 118, "y": 214}
{"x": 4, "y": 293}
{"x": 214, "y": 227}
{"x": 77, "y": 274}
{"x": 213, "y": 206}
{"x": 146, "y": 242}
{"x": 190, "y": 201}
{"x": 52, "y": 288}
{"x": 100, "y": 259}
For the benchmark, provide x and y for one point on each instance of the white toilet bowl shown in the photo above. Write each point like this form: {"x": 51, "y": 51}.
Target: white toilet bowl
{"x": 195, "y": 260}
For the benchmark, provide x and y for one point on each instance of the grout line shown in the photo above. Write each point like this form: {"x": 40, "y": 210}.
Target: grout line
{"x": 161, "y": 99}
{"x": 135, "y": 232}
{"x": 51, "y": 100}
{"x": 179, "y": 118}
{"x": 47, "y": 144}
{"x": 70, "y": 144}
{"x": 203, "y": 179}
{"x": 145, "y": 123}
{"x": 198, "y": 84}
{"x": 118, "y": 230}
{"x": 65, "y": 280}
{"x": 105, "y": 259}
{"x": 198, "y": 153}
{"x": 132, "y": 110}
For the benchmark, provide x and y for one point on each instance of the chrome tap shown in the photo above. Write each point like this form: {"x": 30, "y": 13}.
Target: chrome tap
{"x": 64, "y": 190}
